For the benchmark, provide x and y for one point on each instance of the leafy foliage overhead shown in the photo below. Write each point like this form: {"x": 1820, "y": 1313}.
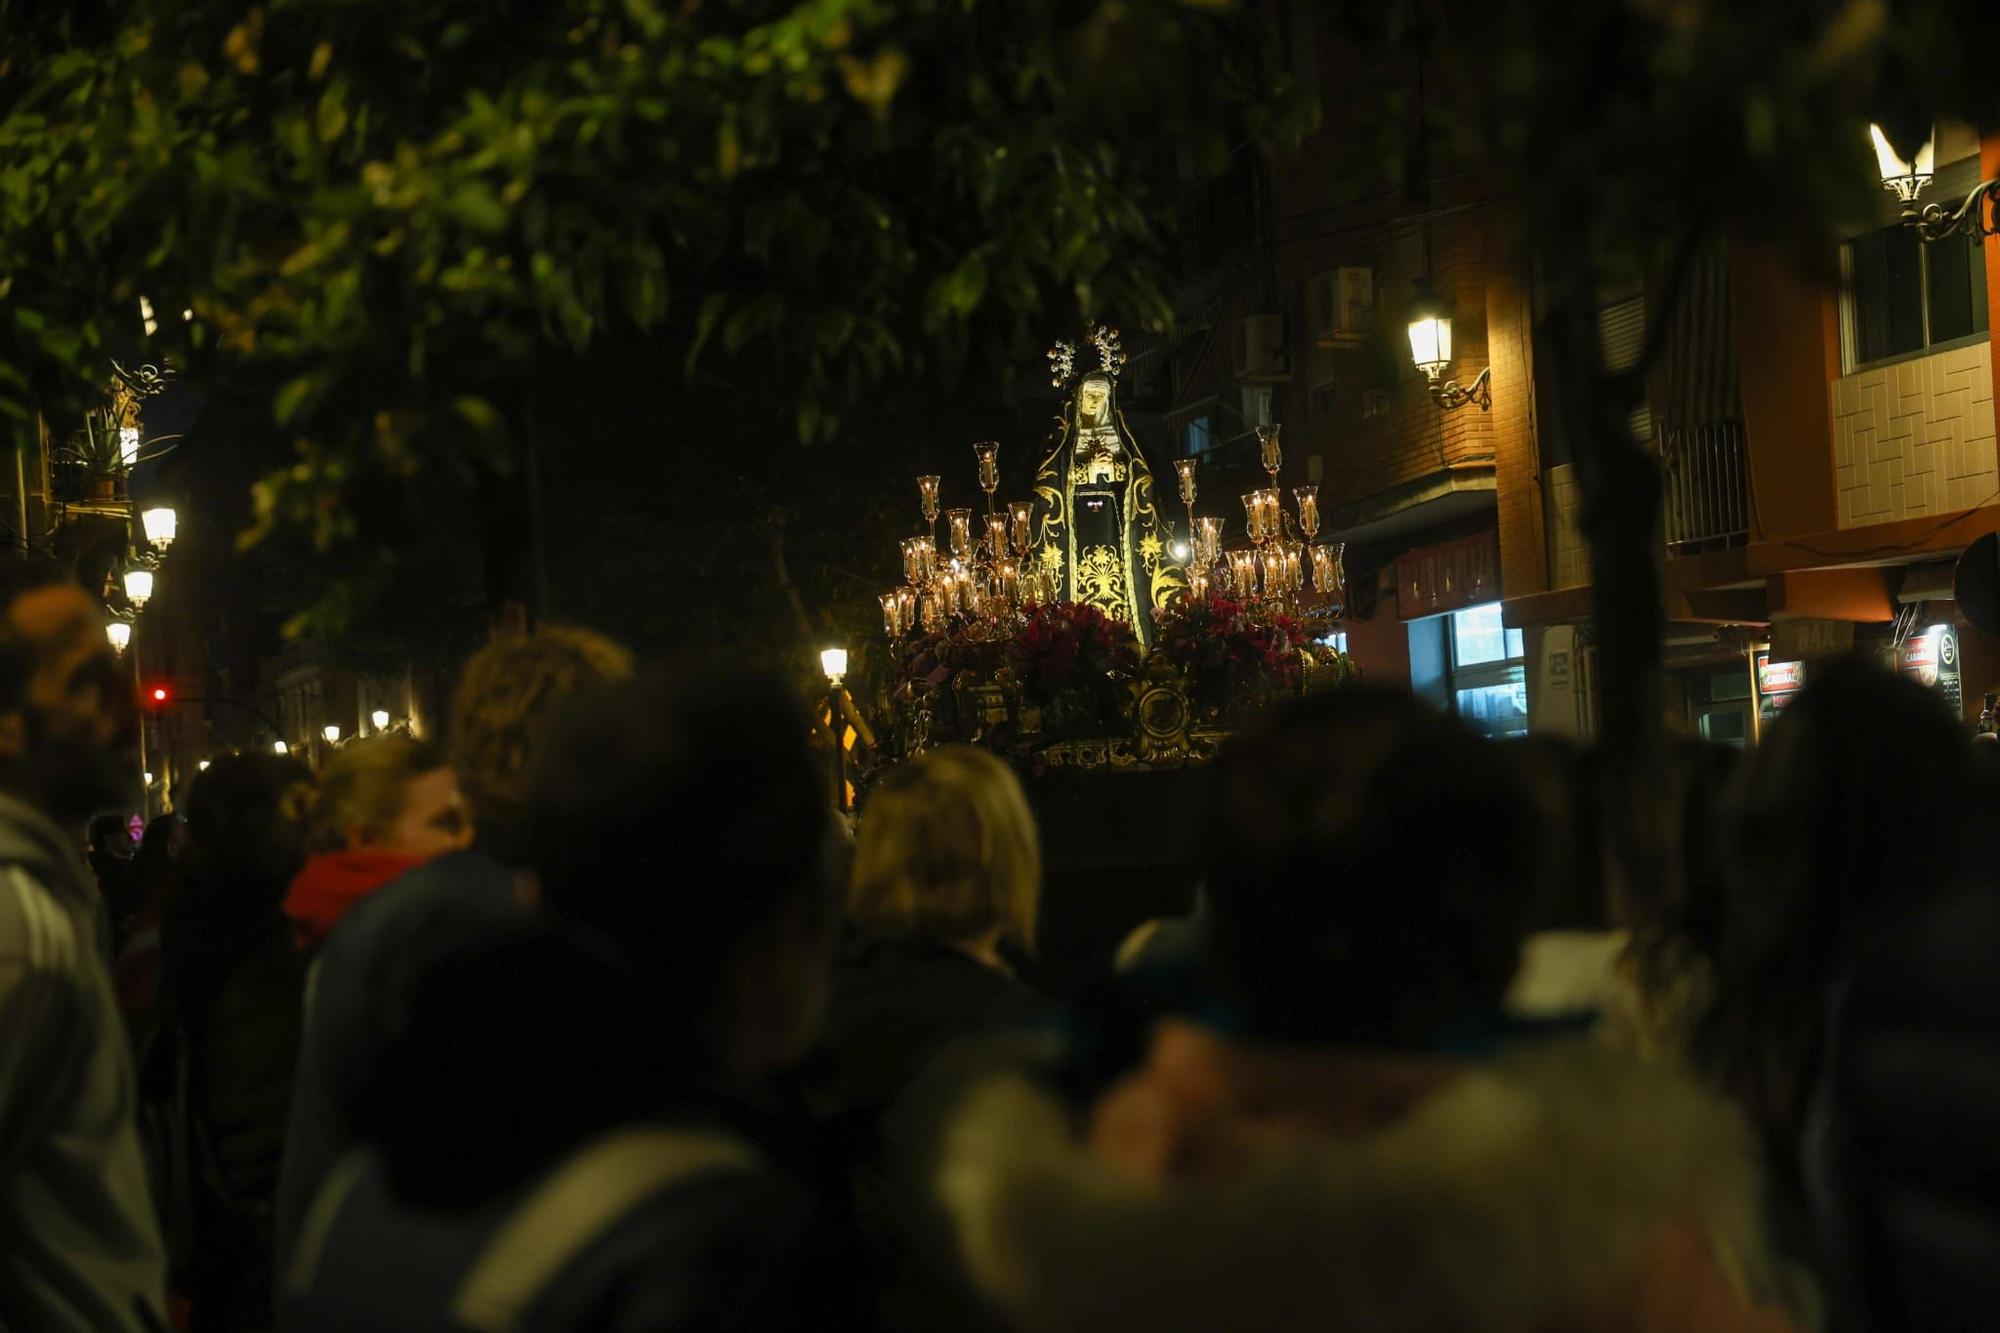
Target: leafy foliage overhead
{"x": 405, "y": 215}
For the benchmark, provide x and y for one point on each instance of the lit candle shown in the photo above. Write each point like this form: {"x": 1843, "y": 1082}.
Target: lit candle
{"x": 1308, "y": 498}
{"x": 927, "y": 497}
{"x": 1185, "y": 467}
{"x": 1021, "y": 514}
{"x": 988, "y": 454}
{"x": 892, "y": 614}
{"x": 959, "y": 525}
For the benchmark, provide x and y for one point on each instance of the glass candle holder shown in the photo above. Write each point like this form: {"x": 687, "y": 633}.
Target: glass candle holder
{"x": 1308, "y": 502}
{"x": 1340, "y": 568}
{"x": 1243, "y": 573}
{"x": 1295, "y": 566}
{"x": 906, "y": 608}
{"x": 1275, "y": 581}
{"x": 1208, "y": 536}
{"x": 927, "y": 561}
{"x": 1267, "y": 443}
{"x": 892, "y": 622}
{"x": 927, "y": 498}
{"x": 1021, "y": 517}
{"x": 913, "y": 565}
{"x": 1185, "y": 467}
{"x": 988, "y": 454}
{"x": 1197, "y": 589}
{"x": 1323, "y": 575}
{"x": 1253, "y": 516}
{"x": 996, "y": 536}
{"x": 958, "y": 524}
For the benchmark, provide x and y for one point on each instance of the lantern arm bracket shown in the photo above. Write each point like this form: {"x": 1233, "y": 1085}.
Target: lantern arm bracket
{"x": 1934, "y": 222}
{"x": 1452, "y": 394}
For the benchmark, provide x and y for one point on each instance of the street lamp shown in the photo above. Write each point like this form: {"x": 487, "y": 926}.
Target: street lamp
{"x": 1430, "y": 349}
{"x": 148, "y": 777}
{"x": 1906, "y": 180}
{"x": 332, "y": 733}
{"x": 280, "y": 747}
{"x": 138, "y": 587}
{"x": 201, "y": 767}
{"x": 380, "y": 717}
{"x": 120, "y": 634}
{"x": 161, "y": 524}
{"x": 833, "y": 661}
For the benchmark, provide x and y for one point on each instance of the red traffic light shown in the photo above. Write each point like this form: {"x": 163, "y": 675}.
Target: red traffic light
{"x": 159, "y": 694}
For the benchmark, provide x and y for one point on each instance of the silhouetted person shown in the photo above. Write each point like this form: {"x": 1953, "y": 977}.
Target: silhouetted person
{"x": 945, "y": 882}
{"x": 219, "y": 1070}
{"x": 79, "y": 1245}
{"x": 557, "y": 1148}
{"x": 1362, "y": 1139}
{"x": 1856, "y": 1009}
{"x": 506, "y": 701}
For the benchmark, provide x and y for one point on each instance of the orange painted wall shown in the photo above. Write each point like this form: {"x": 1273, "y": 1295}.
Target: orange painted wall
{"x": 1788, "y": 350}
{"x": 1380, "y": 645}
{"x": 1989, "y": 169}
{"x": 1517, "y": 465}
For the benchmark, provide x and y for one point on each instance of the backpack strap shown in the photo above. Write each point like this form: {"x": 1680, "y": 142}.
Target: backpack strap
{"x": 576, "y": 1205}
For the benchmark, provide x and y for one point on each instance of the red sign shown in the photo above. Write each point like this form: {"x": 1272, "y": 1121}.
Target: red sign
{"x": 1448, "y": 576}
{"x": 1779, "y": 677}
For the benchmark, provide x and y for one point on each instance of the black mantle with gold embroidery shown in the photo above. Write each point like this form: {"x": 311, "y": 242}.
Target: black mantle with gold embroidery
{"x": 1100, "y": 539}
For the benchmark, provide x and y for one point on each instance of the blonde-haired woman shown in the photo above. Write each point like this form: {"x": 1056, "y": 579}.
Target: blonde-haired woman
{"x": 946, "y": 879}
{"x": 385, "y": 805}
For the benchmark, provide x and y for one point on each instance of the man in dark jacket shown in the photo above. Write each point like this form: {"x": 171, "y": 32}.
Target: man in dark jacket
{"x": 79, "y": 1245}
{"x": 506, "y": 699}
{"x": 563, "y": 1150}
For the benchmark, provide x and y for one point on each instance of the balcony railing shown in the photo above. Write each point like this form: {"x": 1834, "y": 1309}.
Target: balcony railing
{"x": 1708, "y": 493}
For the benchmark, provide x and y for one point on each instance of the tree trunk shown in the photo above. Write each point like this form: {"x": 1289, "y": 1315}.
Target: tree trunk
{"x": 1621, "y": 494}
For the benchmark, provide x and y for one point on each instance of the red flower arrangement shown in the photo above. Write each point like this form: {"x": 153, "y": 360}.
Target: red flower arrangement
{"x": 1227, "y": 648}
{"x": 1070, "y": 648}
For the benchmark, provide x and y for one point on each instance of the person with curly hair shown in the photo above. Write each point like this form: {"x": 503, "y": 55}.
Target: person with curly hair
{"x": 508, "y": 696}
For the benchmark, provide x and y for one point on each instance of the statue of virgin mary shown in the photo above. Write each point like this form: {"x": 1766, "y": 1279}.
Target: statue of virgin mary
{"x": 1101, "y": 538}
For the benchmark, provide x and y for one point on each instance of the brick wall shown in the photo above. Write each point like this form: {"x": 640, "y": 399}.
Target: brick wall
{"x": 1525, "y": 548}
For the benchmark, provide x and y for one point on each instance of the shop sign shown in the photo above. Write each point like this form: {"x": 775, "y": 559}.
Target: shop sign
{"x": 1931, "y": 658}
{"x": 1805, "y": 639}
{"x": 1779, "y": 677}
{"x": 1448, "y": 576}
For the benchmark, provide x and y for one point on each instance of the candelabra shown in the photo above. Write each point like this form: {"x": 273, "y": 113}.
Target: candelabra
{"x": 981, "y": 579}
{"x": 1284, "y": 547}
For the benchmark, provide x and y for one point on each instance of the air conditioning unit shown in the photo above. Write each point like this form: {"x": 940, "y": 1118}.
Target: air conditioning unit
{"x": 1259, "y": 351}
{"x": 1341, "y": 305}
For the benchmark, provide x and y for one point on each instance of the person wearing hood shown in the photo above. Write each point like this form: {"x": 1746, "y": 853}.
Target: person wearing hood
{"x": 1361, "y": 1138}
{"x": 387, "y": 804}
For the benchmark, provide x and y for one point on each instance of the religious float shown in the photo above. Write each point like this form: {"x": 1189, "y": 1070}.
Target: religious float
{"x": 1076, "y": 630}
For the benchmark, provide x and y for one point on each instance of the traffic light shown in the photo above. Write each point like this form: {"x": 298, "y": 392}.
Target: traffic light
{"x": 157, "y": 695}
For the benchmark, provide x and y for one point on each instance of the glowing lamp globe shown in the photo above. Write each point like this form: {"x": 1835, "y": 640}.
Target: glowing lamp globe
{"x": 833, "y": 661}
{"x": 380, "y": 717}
{"x": 161, "y": 524}
{"x": 202, "y": 767}
{"x": 1430, "y": 333}
{"x": 138, "y": 586}
{"x": 280, "y": 747}
{"x": 120, "y": 634}
{"x": 332, "y": 733}
{"x": 1904, "y": 179}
